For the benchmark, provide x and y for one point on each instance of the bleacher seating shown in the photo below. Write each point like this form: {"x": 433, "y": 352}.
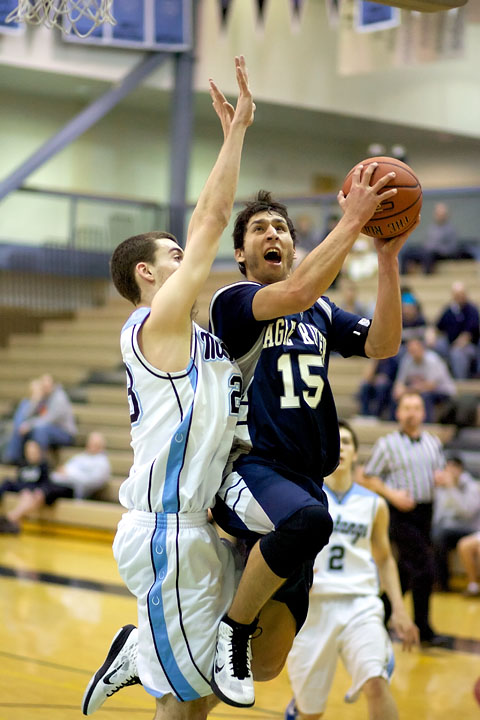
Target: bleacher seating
{"x": 86, "y": 348}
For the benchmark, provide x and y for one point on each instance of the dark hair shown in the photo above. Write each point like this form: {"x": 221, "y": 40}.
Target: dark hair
{"x": 262, "y": 202}
{"x": 456, "y": 460}
{"x": 139, "y": 248}
{"x": 346, "y": 426}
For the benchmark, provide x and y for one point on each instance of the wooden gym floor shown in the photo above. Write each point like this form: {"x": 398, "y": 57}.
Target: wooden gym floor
{"x": 61, "y": 601}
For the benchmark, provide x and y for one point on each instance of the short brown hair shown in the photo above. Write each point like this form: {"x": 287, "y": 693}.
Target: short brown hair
{"x": 261, "y": 203}
{"x": 126, "y": 256}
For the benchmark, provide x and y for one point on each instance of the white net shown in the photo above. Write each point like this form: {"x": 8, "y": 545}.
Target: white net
{"x": 79, "y": 16}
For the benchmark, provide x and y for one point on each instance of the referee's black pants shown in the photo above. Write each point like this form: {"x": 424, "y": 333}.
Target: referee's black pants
{"x": 410, "y": 532}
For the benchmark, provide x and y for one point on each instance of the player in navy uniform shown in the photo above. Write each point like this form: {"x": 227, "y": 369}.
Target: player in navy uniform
{"x": 281, "y": 332}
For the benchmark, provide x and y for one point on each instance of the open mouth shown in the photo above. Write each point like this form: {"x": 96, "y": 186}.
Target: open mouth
{"x": 273, "y": 256}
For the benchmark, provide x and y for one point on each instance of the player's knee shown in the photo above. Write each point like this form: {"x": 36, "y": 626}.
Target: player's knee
{"x": 376, "y": 688}
{"x": 299, "y": 538}
{"x": 266, "y": 667}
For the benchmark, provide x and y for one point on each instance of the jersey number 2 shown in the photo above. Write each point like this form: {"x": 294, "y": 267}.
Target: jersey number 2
{"x": 314, "y": 382}
{"x": 335, "y": 561}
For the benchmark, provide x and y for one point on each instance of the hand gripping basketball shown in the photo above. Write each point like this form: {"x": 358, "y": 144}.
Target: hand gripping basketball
{"x": 398, "y": 214}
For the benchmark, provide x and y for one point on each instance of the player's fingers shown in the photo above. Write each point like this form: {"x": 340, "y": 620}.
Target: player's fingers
{"x": 368, "y": 172}
{"x": 390, "y": 192}
{"x": 356, "y": 175}
{"x": 383, "y": 181}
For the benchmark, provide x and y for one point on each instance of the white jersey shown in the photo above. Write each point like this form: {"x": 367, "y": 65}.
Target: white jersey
{"x": 345, "y": 566}
{"x": 182, "y": 423}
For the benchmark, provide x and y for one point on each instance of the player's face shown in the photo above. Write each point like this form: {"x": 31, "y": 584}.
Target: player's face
{"x": 168, "y": 257}
{"x": 348, "y": 453}
{"x": 268, "y": 250}
{"x": 410, "y": 413}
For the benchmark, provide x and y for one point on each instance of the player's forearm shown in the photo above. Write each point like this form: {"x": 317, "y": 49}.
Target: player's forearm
{"x": 385, "y": 332}
{"x": 318, "y": 270}
{"x": 215, "y": 203}
{"x": 390, "y": 582}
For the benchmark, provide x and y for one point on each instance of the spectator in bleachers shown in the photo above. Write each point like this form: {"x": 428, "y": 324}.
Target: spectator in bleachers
{"x": 349, "y": 298}
{"x": 361, "y": 262}
{"x": 441, "y": 244}
{"x": 307, "y": 236}
{"x": 414, "y": 324}
{"x": 456, "y": 514}
{"x": 459, "y": 326}
{"x": 375, "y": 394}
{"x": 425, "y": 372}
{"x": 469, "y": 552}
{"x": 80, "y": 477}
{"x": 46, "y": 417}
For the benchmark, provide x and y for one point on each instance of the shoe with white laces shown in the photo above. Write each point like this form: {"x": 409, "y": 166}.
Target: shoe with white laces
{"x": 291, "y": 712}
{"x": 118, "y": 670}
{"x": 232, "y": 679}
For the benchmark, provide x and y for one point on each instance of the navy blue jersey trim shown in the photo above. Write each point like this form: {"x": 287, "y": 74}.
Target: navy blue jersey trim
{"x": 159, "y": 374}
{"x": 238, "y": 499}
{"x": 178, "y": 399}
{"x": 179, "y": 608}
{"x": 150, "y": 475}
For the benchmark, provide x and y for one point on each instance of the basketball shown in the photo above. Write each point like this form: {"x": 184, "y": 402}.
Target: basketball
{"x": 397, "y": 214}
{"x": 476, "y": 691}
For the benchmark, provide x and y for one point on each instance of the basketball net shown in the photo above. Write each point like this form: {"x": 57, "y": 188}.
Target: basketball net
{"x": 64, "y": 14}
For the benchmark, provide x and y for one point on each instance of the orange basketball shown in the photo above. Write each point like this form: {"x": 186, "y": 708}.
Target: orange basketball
{"x": 476, "y": 691}
{"x": 397, "y": 214}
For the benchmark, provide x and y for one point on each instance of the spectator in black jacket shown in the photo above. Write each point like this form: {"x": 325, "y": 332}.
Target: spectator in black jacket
{"x": 460, "y": 327}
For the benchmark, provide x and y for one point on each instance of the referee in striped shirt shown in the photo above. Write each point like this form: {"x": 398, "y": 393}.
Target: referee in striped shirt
{"x": 402, "y": 468}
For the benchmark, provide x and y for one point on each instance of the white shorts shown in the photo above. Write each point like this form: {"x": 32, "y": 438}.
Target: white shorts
{"x": 349, "y": 627}
{"x": 184, "y": 578}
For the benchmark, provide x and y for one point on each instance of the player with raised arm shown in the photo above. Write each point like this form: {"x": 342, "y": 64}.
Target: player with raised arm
{"x": 184, "y": 392}
{"x": 281, "y": 332}
{"x": 346, "y": 615}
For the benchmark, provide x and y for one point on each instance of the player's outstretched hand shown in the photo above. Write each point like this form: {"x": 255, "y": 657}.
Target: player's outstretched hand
{"x": 405, "y": 629}
{"x": 245, "y": 108}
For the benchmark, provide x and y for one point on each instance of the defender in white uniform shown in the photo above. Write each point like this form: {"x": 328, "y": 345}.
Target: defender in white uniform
{"x": 169, "y": 556}
{"x": 184, "y": 394}
{"x": 345, "y": 617}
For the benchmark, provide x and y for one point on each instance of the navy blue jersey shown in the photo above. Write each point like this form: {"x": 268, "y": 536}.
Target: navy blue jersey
{"x": 291, "y": 420}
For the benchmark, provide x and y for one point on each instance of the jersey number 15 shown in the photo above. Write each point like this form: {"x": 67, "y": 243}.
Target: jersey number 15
{"x": 314, "y": 382}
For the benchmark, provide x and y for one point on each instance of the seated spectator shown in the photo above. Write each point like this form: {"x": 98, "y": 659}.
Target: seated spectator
{"x": 460, "y": 327}
{"x": 456, "y": 513}
{"x": 46, "y": 417}
{"x": 80, "y": 477}
{"x": 469, "y": 553}
{"x": 362, "y": 261}
{"x": 414, "y": 324}
{"x": 375, "y": 392}
{"x": 307, "y": 236}
{"x": 425, "y": 372}
{"x": 441, "y": 244}
{"x": 349, "y": 298}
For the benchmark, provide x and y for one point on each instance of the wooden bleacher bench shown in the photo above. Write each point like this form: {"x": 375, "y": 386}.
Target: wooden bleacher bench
{"x": 95, "y": 514}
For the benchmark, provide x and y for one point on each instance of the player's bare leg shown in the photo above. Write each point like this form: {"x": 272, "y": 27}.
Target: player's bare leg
{"x": 168, "y": 708}
{"x": 232, "y": 679}
{"x": 257, "y": 584}
{"x": 381, "y": 705}
{"x": 272, "y": 645}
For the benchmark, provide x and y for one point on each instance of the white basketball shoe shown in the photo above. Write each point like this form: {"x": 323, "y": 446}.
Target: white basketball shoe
{"x": 118, "y": 670}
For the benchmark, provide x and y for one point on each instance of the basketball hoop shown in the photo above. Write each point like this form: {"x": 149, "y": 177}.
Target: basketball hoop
{"x": 64, "y": 14}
